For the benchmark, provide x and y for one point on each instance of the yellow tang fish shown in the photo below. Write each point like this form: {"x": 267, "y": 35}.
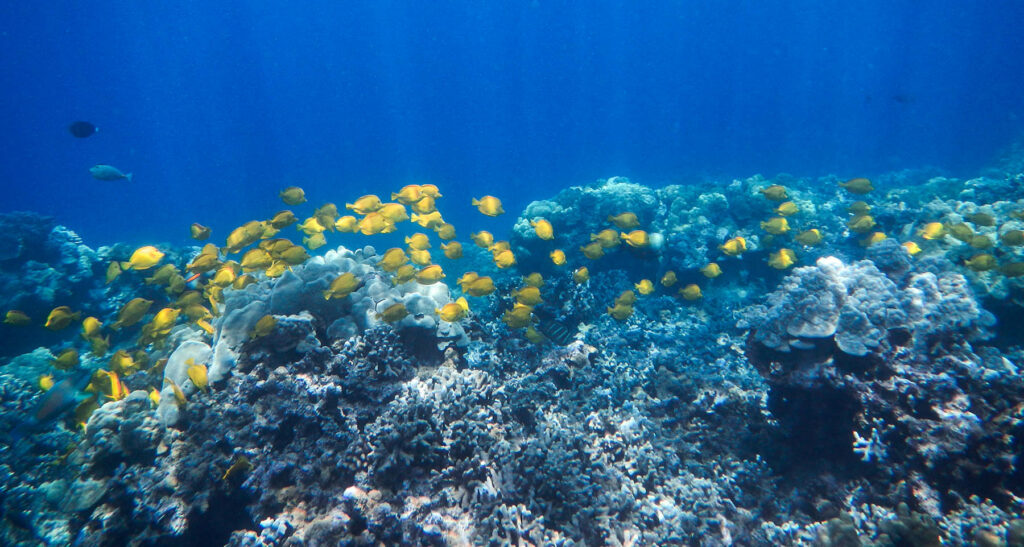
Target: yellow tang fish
{"x": 488, "y": 205}
{"x": 293, "y": 195}
{"x": 543, "y": 229}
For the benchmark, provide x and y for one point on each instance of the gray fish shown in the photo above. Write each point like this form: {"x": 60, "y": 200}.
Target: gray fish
{"x": 108, "y": 172}
{"x": 55, "y": 403}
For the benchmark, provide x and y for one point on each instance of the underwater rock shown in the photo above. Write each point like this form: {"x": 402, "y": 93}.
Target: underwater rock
{"x": 860, "y": 308}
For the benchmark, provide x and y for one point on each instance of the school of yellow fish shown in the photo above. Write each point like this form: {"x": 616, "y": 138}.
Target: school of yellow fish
{"x": 195, "y": 294}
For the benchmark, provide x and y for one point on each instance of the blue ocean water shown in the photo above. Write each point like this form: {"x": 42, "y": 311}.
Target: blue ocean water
{"x": 217, "y": 106}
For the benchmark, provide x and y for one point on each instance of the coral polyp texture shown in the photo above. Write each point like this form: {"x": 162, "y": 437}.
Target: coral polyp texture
{"x": 767, "y": 361}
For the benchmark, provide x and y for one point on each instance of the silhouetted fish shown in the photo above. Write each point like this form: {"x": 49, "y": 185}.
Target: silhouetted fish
{"x": 82, "y": 129}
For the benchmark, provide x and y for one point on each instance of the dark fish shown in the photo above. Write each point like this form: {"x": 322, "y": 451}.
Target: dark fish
{"x": 55, "y": 403}
{"x": 553, "y": 329}
{"x": 82, "y": 129}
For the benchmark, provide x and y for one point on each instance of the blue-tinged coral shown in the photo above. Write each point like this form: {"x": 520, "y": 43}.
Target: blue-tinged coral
{"x": 761, "y": 361}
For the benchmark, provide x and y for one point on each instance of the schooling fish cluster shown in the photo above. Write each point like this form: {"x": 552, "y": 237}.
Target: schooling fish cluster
{"x": 778, "y": 361}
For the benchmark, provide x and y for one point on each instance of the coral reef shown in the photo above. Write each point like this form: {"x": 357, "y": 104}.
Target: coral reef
{"x": 866, "y": 394}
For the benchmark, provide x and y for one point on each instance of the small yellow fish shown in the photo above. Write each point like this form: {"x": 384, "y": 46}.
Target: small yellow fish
{"x": 581, "y": 275}
{"x": 165, "y": 319}
{"x": 624, "y": 221}
{"x": 342, "y": 286}
{"x": 205, "y": 325}
{"x": 154, "y": 397}
{"x": 408, "y": 195}
{"x": 326, "y": 215}
{"x": 504, "y": 259}
{"x": 543, "y": 229}
{"x": 481, "y": 286}
{"x": 257, "y": 259}
{"x": 424, "y": 205}
{"x": 859, "y": 208}
{"x": 861, "y": 224}
{"x": 932, "y": 230}
{"x": 775, "y": 226}
{"x": 199, "y": 232}
{"x": 244, "y": 235}
{"x": 606, "y": 238}
{"x": 809, "y": 238}
{"x": 293, "y": 195}
{"x": 981, "y": 262}
{"x": 593, "y": 250}
{"x": 620, "y": 311}
{"x": 17, "y": 318}
{"x": 467, "y": 278}
{"x": 1012, "y": 269}
{"x": 453, "y": 311}
{"x": 179, "y": 395}
{"x": 981, "y": 242}
{"x": 557, "y": 257}
{"x": 66, "y": 360}
{"x": 240, "y": 466}
{"x": 528, "y": 295}
{"x": 452, "y": 250}
{"x": 775, "y": 192}
{"x": 314, "y": 241}
{"x": 282, "y": 219}
{"x": 60, "y": 317}
{"x": 711, "y": 270}
{"x": 131, "y": 313}
{"x": 394, "y": 312}
{"x": 392, "y": 259}
{"x": 445, "y": 231}
{"x": 961, "y": 231}
{"x": 533, "y": 335}
{"x": 115, "y": 389}
{"x": 113, "y": 270}
{"x": 263, "y": 327}
{"x": 365, "y": 205}
{"x": 875, "y": 237}
{"x": 123, "y": 363}
{"x": 418, "y": 241}
{"x": 347, "y": 224}
{"x": 499, "y": 246}
{"x": 482, "y": 239}
{"x": 690, "y": 292}
{"x": 430, "y": 190}
{"x": 45, "y": 382}
{"x": 375, "y": 223}
{"x": 99, "y": 346}
{"x": 982, "y": 219}
{"x": 1013, "y": 238}
{"x": 419, "y": 258}
{"x": 637, "y": 239}
{"x": 488, "y": 205}
{"x": 534, "y": 280}
{"x": 198, "y": 374}
{"x": 911, "y": 248}
{"x": 143, "y": 258}
{"x": 404, "y": 274}
{"x": 669, "y": 279}
{"x": 429, "y": 275}
{"x": 734, "y": 247}
{"x": 626, "y": 297}
{"x": 787, "y": 209}
{"x": 782, "y": 259}
{"x": 429, "y": 221}
{"x": 311, "y": 226}
{"x": 644, "y": 287}
{"x": 518, "y": 317}
{"x": 859, "y": 185}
